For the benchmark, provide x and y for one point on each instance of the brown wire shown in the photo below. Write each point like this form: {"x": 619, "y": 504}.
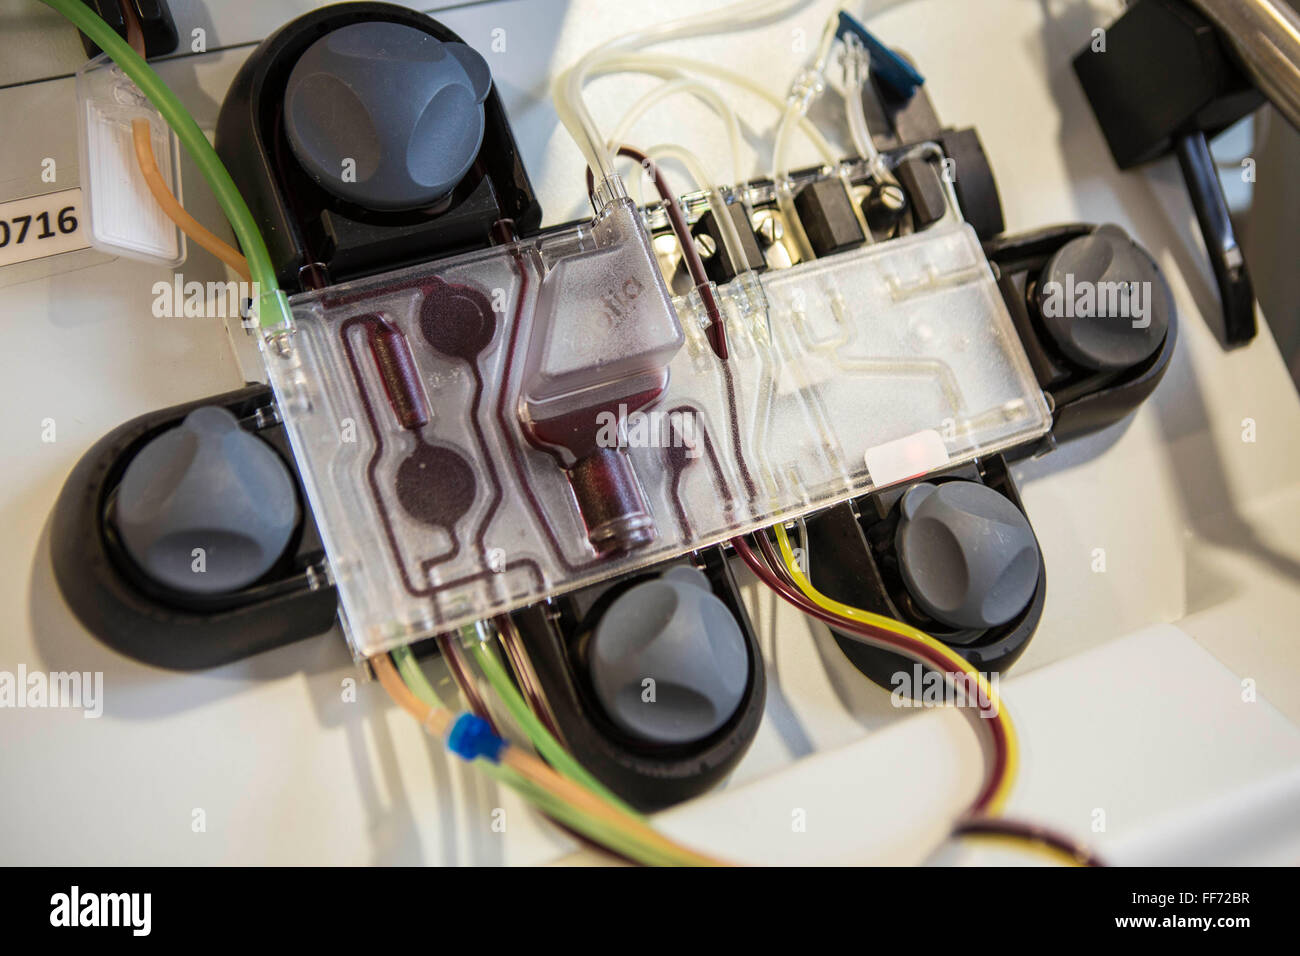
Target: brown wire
{"x": 888, "y": 640}
{"x": 976, "y": 824}
{"x": 134, "y": 32}
{"x": 1029, "y": 833}
{"x": 464, "y": 678}
{"x": 512, "y": 643}
{"x": 690, "y": 255}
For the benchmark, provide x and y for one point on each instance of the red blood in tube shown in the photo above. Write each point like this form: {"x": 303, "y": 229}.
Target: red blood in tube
{"x": 610, "y": 499}
{"x": 397, "y": 370}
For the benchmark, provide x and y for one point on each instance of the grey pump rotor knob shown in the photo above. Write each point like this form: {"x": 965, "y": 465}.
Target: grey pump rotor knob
{"x": 668, "y": 661}
{"x": 1103, "y": 301}
{"x": 206, "y": 507}
{"x": 967, "y": 554}
{"x": 385, "y": 115}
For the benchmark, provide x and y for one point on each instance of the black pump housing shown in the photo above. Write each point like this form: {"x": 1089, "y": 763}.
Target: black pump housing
{"x": 648, "y": 776}
{"x": 856, "y": 564}
{"x": 1083, "y": 400}
{"x": 315, "y": 238}
{"x": 123, "y": 607}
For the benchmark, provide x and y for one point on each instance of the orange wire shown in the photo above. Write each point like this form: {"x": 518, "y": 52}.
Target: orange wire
{"x": 148, "y": 164}
{"x": 174, "y": 210}
{"x": 438, "y": 720}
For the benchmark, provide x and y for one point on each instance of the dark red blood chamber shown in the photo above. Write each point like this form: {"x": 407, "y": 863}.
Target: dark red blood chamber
{"x": 456, "y": 320}
{"x": 436, "y": 486}
{"x": 611, "y": 503}
{"x": 609, "y": 497}
{"x": 397, "y": 370}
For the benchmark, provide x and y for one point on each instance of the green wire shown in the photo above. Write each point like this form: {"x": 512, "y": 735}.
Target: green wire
{"x": 550, "y": 748}
{"x": 500, "y": 681}
{"x": 412, "y": 673}
{"x": 561, "y": 811}
{"x": 263, "y": 273}
{"x": 274, "y": 304}
{"x": 539, "y": 797}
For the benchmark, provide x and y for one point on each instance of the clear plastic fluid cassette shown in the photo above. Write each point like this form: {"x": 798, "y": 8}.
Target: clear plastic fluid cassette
{"x": 480, "y": 432}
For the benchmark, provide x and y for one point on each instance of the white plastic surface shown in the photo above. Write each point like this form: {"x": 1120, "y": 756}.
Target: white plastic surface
{"x": 290, "y": 768}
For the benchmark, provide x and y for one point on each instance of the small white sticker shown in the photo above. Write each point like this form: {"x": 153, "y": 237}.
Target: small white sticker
{"x": 41, "y": 226}
{"x": 907, "y": 457}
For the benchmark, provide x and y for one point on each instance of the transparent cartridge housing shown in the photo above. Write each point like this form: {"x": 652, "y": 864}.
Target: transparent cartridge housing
{"x": 845, "y": 373}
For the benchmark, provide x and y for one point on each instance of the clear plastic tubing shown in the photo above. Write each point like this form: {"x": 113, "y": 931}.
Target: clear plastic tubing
{"x": 568, "y": 86}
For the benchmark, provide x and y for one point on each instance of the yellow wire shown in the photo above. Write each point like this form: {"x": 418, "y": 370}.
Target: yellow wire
{"x": 1027, "y": 843}
{"x": 955, "y": 660}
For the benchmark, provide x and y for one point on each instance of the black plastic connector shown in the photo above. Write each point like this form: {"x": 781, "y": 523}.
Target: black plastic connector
{"x": 156, "y": 23}
{"x": 1164, "y": 71}
{"x": 920, "y": 180}
{"x": 828, "y": 219}
{"x": 1166, "y": 81}
{"x": 972, "y": 179}
{"x": 719, "y": 266}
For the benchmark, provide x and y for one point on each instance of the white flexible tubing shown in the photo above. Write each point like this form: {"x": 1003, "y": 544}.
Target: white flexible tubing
{"x": 855, "y": 82}
{"x": 678, "y": 67}
{"x": 727, "y": 227}
{"x": 701, "y": 90}
{"x": 568, "y": 86}
{"x": 674, "y": 66}
{"x": 806, "y": 87}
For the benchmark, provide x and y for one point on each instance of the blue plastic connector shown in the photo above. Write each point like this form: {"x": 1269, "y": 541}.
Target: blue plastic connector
{"x": 890, "y": 68}
{"x": 471, "y": 737}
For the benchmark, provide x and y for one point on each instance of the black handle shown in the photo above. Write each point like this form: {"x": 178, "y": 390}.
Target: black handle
{"x": 1235, "y": 291}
